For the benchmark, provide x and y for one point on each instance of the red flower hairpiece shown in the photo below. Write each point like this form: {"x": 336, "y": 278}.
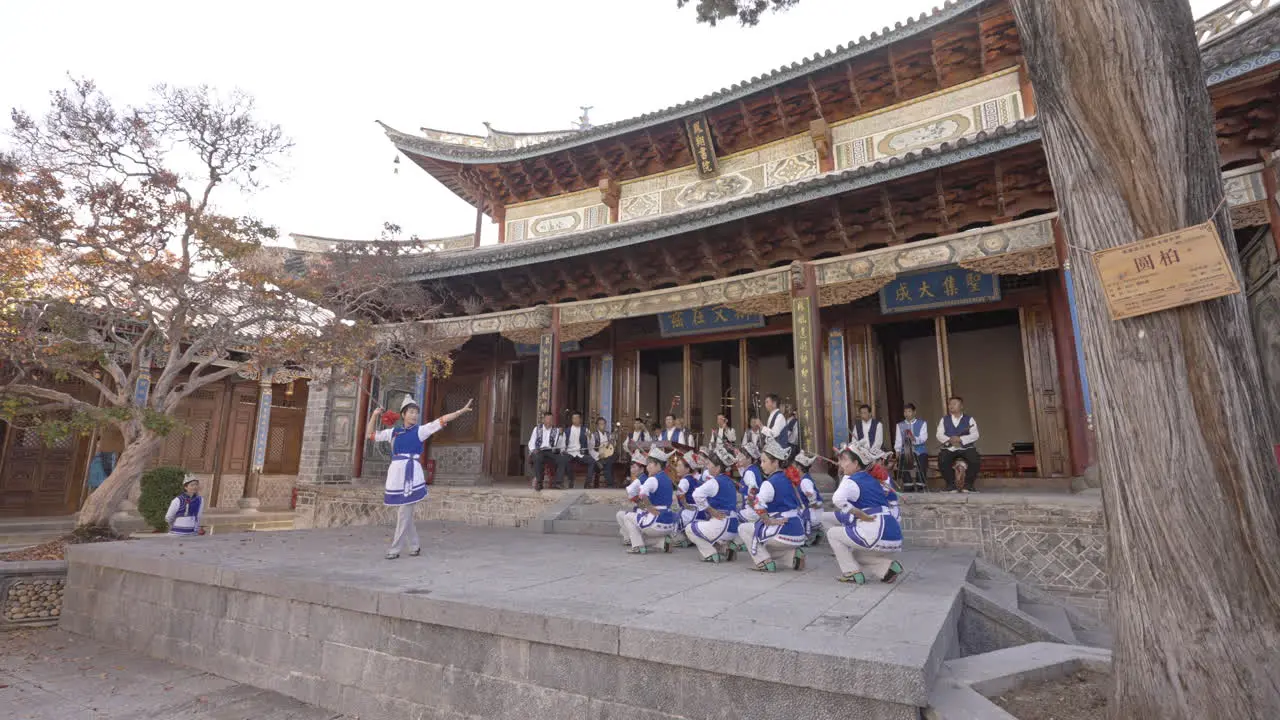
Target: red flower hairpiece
{"x": 390, "y": 417}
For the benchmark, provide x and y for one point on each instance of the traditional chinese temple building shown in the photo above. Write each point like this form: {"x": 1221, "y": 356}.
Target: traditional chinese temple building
{"x": 874, "y": 224}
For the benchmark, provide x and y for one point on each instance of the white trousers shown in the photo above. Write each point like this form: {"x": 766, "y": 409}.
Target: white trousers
{"x": 622, "y": 524}
{"x": 406, "y": 532}
{"x": 710, "y": 528}
{"x": 852, "y": 557}
{"x": 650, "y": 536}
{"x": 746, "y": 535}
{"x": 815, "y": 520}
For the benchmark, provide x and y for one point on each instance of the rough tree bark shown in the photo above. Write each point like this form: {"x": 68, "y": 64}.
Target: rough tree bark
{"x": 105, "y": 501}
{"x": 1190, "y": 483}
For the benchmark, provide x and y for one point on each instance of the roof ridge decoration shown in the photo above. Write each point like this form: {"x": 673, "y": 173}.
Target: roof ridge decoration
{"x": 502, "y": 146}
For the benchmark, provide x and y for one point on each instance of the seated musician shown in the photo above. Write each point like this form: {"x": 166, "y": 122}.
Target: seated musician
{"x": 958, "y": 434}
{"x": 600, "y": 438}
{"x": 868, "y": 428}
{"x": 671, "y": 432}
{"x": 724, "y": 435}
{"x": 639, "y": 434}
{"x": 864, "y": 528}
{"x": 578, "y": 449}
{"x": 546, "y": 445}
{"x": 653, "y": 521}
{"x": 716, "y": 523}
{"x": 778, "y": 507}
{"x": 753, "y": 434}
{"x": 777, "y": 425}
{"x": 637, "y": 474}
{"x": 909, "y": 445}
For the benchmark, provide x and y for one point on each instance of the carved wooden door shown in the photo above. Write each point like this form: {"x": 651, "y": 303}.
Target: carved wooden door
{"x": 503, "y": 409}
{"x": 1044, "y": 392}
{"x": 284, "y": 435}
{"x": 860, "y": 348}
{"x": 39, "y": 477}
{"x": 693, "y": 390}
{"x": 626, "y": 396}
{"x": 749, "y": 387}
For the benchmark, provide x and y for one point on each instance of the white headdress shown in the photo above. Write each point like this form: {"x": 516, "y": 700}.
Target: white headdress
{"x": 408, "y": 400}
{"x": 864, "y": 451}
{"x": 725, "y": 457}
{"x": 638, "y": 458}
{"x": 658, "y": 454}
{"x": 751, "y": 450}
{"x": 804, "y": 458}
{"x": 775, "y": 450}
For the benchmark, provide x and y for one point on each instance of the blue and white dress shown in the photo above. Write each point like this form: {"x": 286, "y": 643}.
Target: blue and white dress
{"x": 689, "y": 513}
{"x": 184, "y": 514}
{"x": 882, "y": 533}
{"x": 406, "y": 483}
{"x": 719, "y": 494}
{"x": 813, "y": 509}
{"x": 661, "y": 492}
{"x": 751, "y": 479}
{"x": 781, "y": 500}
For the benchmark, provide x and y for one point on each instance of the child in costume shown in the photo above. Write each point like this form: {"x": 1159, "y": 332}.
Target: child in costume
{"x": 186, "y": 510}
{"x": 638, "y": 476}
{"x": 812, "y": 498}
{"x": 865, "y": 529}
{"x": 778, "y": 506}
{"x": 716, "y": 523}
{"x": 653, "y": 521}
{"x": 406, "y": 484}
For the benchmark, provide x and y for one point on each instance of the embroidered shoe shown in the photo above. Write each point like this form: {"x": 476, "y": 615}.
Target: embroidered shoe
{"x": 415, "y": 552}
{"x": 642, "y": 550}
{"x": 895, "y": 569}
{"x": 797, "y": 560}
{"x": 730, "y": 553}
{"x": 392, "y": 555}
{"x": 856, "y": 578}
{"x": 712, "y": 558}
{"x": 770, "y": 566}
{"x": 666, "y": 545}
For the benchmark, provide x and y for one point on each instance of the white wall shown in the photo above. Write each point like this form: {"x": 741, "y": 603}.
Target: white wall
{"x": 918, "y": 358}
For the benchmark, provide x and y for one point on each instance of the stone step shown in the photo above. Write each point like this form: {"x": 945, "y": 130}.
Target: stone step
{"x": 21, "y": 540}
{"x": 1004, "y": 593}
{"x": 602, "y": 512}
{"x": 1053, "y": 618}
{"x": 587, "y": 527}
{"x": 1094, "y": 638}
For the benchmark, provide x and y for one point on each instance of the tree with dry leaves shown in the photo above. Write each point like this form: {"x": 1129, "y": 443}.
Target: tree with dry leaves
{"x": 118, "y": 262}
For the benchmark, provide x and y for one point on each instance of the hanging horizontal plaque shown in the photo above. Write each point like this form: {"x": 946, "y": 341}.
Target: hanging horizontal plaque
{"x": 932, "y": 289}
{"x": 1167, "y": 271}
{"x": 702, "y": 147}
{"x": 531, "y": 349}
{"x": 710, "y": 319}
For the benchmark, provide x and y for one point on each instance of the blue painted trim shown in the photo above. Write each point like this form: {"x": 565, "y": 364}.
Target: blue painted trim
{"x": 1075, "y": 330}
{"x": 839, "y": 384}
{"x": 606, "y": 391}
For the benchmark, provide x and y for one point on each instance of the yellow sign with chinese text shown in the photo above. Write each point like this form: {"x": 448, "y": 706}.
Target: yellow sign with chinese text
{"x": 1167, "y": 271}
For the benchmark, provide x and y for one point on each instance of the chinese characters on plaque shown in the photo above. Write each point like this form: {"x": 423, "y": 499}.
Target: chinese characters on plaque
{"x": 531, "y": 350}
{"x": 1167, "y": 271}
{"x": 931, "y": 289}
{"x": 704, "y": 151}
{"x": 709, "y": 319}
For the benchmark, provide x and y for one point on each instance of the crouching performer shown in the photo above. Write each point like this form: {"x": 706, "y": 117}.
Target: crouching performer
{"x": 406, "y": 484}
{"x": 638, "y": 476}
{"x": 689, "y": 467}
{"x": 750, "y": 476}
{"x": 716, "y": 500}
{"x": 812, "y": 514}
{"x": 653, "y": 521}
{"x": 865, "y": 530}
{"x": 777, "y": 506}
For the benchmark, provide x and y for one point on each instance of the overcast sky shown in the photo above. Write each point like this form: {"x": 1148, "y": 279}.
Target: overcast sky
{"x": 326, "y": 72}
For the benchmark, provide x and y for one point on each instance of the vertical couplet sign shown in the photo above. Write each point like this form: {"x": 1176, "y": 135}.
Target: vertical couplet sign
{"x": 606, "y": 390}
{"x": 546, "y": 361}
{"x": 263, "y": 427}
{"x": 802, "y": 335}
{"x": 839, "y": 386}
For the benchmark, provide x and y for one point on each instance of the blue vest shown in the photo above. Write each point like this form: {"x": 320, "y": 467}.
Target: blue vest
{"x": 954, "y": 430}
{"x": 404, "y": 441}
{"x": 816, "y": 491}
{"x": 857, "y": 429}
{"x": 582, "y": 436}
{"x": 918, "y": 428}
{"x": 551, "y": 441}
{"x": 188, "y": 506}
{"x": 759, "y": 478}
{"x": 871, "y": 494}
{"x": 784, "y": 494}
{"x": 662, "y": 496}
{"x": 673, "y": 435}
{"x": 726, "y": 498}
{"x": 694, "y": 482}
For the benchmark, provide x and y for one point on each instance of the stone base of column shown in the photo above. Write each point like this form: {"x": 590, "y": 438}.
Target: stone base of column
{"x": 248, "y": 504}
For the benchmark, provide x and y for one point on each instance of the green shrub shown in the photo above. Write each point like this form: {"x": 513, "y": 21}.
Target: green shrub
{"x": 159, "y": 487}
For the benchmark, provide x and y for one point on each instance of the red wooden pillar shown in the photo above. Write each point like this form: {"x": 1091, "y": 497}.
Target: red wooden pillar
{"x": 1079, "y": 437}
{"x": 1269, "y": 184}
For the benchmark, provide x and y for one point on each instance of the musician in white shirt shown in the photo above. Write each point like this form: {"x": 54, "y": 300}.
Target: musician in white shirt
{"x": 672, "y": 433}
{"x": 868, "y": 429}
{"x": 776, "y": 426}
{"x": 600, "y": 437}
{"x": 639, "y": 434}
{"x": 724, "y": 435}
{"x": 753, "y": 435}
{"x": 958, "y": 434}
{"x": 577, "y": 446}
{"x": 546, "y": 444}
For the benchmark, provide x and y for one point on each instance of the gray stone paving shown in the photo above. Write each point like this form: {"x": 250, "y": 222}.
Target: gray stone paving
{"x": 48, "y": 674}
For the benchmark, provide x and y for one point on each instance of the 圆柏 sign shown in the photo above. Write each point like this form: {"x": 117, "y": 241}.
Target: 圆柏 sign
{"x": 709, "y": 319}
{"x": 945, "y": 287}
{"x": 1167, "y": 271}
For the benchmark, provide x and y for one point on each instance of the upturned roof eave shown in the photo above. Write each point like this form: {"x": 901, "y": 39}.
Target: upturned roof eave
{"x": 607, "y": 237}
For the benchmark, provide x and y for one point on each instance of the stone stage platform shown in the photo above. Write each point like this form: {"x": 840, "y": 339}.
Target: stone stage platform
{"x": 505, "y": 623}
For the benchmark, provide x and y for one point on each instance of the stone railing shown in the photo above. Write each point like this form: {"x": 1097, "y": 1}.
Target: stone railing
{"x": 31, "y": 592}
{"x": 325, "y": 506}
{"x": 1229, "y": 16}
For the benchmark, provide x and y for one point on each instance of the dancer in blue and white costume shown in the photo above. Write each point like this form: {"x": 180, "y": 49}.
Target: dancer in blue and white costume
{"x": 689, "y": 467}
{"x": 713, "y": 530}
{"x": 638, "y": 476}
{"x": 778, "y": 506}
{"x": 186, "y": 510}
{"x": 750, "y": 476}
{"x": 865, "y": 529}
{"x": 653, "y": 521}
{"x": 812, "y": 497}
{"x": 406, "y": 484}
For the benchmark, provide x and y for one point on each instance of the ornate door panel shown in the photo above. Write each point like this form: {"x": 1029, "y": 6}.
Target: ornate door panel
{"x": 459, "y": 448}
{"x": 191, "y": 445}
{"x": 861, "y": 351}
{"x": 692, "y": 400}
{"x": 38, "y": 477}
{"x": 749, "y": 382}
{"x": 1044, "y": 392}
{"x": 503, "y": 410}
{"x": 626, "y": 388}
{"x": 284, "y": 435}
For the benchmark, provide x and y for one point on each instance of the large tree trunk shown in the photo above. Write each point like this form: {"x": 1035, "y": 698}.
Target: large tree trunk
{"x": 1190, "y": 483}
{"x": 105, "y": 501}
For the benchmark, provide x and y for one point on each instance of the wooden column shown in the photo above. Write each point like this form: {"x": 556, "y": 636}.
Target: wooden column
{"x": 806, "y": 335}
{"x": 860, "y": 349}
{"x": 500, "y": 217}
{"x": 1082, "y": 425}
{"x": 839, "y": 384}
{"x": 1025, "y": 90}
{"x": 944, "y": 359}
{"x": 1070, "y": 373}
{"x": 744, "y": 387}
{"x": 1269, "y": 184}
{"x": 261, "y": 430}
{"x": 225, "y": 438}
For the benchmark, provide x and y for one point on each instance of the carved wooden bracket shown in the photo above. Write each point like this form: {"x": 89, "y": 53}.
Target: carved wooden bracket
{"x": 610, "y": 193}
{"x": 820, "y": 131}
